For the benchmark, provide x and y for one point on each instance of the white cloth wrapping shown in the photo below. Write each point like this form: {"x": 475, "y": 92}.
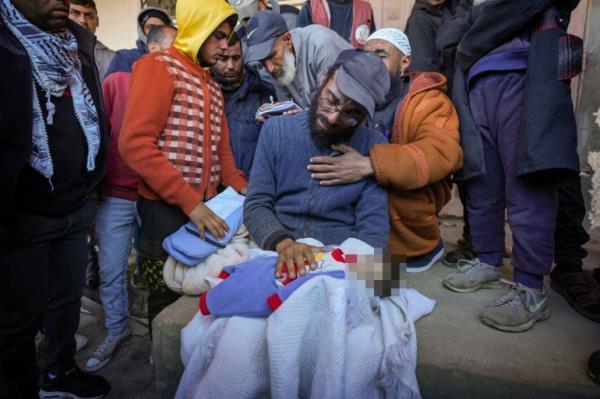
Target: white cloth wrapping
{"x": 323, "y": 342}
{"x": 192, "y": 280}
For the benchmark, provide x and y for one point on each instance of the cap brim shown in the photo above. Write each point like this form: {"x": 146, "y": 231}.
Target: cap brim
{"x": 259, "y": 51}
{"x": 352, "y": 89}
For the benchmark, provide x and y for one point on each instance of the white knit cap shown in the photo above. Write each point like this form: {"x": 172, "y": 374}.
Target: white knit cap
{"x": 393, "y": 36}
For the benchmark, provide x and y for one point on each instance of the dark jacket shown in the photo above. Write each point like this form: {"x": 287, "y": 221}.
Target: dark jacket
{"x": 548, "y": 140}
{"x": 241, "y": 105}
{"x": 16, "y": 81}
{"x": 421, "y": 28}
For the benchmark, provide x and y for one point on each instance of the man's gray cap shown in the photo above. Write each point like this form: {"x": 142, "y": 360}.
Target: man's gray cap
{"x": 363, "y": 78}
{"x": 261, "y": 32}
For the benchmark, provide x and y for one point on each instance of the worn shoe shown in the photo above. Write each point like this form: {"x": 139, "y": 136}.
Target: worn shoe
{"x": 425, "y": 262}
{"x": 518, "y": 310}
{"x": 105, "y": 351}
{"x": 80, "y": 342}
{"x": 594, "y": 367}
{"x": 473, "y": 275}
{"x": 74, "y": 384}
{"x": 464, "y": 251}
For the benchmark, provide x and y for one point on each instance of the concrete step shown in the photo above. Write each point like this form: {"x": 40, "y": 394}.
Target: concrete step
{"x": 459, "y": 357}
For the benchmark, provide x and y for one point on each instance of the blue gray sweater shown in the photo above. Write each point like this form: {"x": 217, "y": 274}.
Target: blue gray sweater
{"x": 283, "y": 200}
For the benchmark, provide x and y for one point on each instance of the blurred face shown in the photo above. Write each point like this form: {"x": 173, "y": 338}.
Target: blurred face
{"x": 334, "y": 117}
{"x": 230, "y": 65}
{"x": 152, "y": 22}
{"x": 214, "y": 47}
{"x": 394, "y": 60}
{"x": 165, "y": 43}
{"x": 48, "y": 15}
{"x": 84, "y": 16}
{"x": 279, "y": 62}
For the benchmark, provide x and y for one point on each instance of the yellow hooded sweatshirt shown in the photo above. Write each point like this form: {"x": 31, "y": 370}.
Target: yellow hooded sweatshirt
{"x": 175, "y": 133}
{"x": 196, "y": 21}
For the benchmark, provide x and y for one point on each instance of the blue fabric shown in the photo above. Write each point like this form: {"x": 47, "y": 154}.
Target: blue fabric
{"x": 245, "y": 291}
{"x": 510, "y": 60}
{"x": 123, "y": 60}
{"x": 186, "y": 246}
{"x": 531, "y": 206}
{"x": 240, "y": 108}
{"x": 115, "y": 227}
{"x": 283, "y": 199}
{"x": 56, "y": 67}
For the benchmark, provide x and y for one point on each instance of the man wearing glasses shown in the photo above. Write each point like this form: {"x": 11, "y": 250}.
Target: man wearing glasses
{"x": 284, "y": 202}
{"x": 415, "y": 166}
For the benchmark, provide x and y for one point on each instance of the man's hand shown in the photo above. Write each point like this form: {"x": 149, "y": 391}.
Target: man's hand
{"x": 204, "y": 218}
{"x": 244, "y": 190}
{"x": 292, "y": 252}
{"x": 349, "y": 167}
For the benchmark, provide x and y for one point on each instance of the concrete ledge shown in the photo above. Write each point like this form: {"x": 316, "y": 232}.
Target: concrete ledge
{"x": 166, "y": 344}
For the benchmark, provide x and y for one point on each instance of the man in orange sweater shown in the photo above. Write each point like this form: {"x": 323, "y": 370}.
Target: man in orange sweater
{"x": 175, "y": 136}
{"x": 416, "y": 165}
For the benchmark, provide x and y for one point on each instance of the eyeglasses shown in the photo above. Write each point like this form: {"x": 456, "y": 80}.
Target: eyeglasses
{"x": 350, "y": 119}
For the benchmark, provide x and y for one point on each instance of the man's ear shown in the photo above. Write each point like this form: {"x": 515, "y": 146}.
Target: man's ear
{"x": 287, "y": 39}
{"x": 405, "y": 63}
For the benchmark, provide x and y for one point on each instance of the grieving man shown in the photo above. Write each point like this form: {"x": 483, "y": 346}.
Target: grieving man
{"x": 284, "y": 203}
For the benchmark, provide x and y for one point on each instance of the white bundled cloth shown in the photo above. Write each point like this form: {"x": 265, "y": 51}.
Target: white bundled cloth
{"x": 194, "y": 280}
{"x": 323, "y": 342}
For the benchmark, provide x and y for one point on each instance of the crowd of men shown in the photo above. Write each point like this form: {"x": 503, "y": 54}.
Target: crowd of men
{"x": 135, "y": 141}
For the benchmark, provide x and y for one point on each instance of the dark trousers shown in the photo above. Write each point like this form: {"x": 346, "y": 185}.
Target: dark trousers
{"x": 42, "y": 275}
{"x": 157, "y": 221}
{"x": 570, "y": 234}
{"x": 497, "y": 106}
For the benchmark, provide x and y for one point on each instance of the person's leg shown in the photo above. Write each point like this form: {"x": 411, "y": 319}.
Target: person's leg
{"x": 158, "y": 220}
{"x": 23, "y": 301}
{"x": 569, "y": 236}
{"x": 531, "y": 208}
{"x": 484, "y": 204}
{"x": 485, "y": 201}
{"x": 531, "y": 204}
{"x": 66, "y": 268}
{"x": 115, "y": 225}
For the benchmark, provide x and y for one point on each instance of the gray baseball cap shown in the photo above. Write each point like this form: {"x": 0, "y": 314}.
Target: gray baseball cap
{"x": 363, "y": 78}
{"x": 261, "y": 32}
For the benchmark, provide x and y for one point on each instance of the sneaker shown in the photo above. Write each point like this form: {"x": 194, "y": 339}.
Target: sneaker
{"x": 425, "y": 262}
{"x": 594, "y": 367}
{"x": 518, "y": 310}
{"x": 80, "y": 342}
{"x": 473, "y": 275}
{"x": 74, "y": 384}
{"x": 105, "y": 351}
{"x": 464, "y": 251}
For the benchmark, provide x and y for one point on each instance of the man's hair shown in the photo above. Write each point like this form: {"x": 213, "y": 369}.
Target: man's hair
{"x": 85, "y": 3}
{"x": 157, "y": 34}
{"x": 234, "y": 39}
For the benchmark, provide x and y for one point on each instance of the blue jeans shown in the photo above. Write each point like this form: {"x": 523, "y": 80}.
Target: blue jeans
{"x": 115, "y": 227}
{"x": 42, "y": 274}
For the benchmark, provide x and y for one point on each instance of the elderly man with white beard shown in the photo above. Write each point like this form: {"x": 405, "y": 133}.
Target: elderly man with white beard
{"x": 296, "y": 59}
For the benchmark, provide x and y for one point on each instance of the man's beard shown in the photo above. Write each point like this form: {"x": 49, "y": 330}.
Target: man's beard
{"x": 289, "y": 69}
{"x": 328, "y": 135}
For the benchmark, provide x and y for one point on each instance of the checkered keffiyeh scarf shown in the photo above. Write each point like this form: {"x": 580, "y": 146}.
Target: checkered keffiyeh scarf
{"x": 56, "y": 67}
